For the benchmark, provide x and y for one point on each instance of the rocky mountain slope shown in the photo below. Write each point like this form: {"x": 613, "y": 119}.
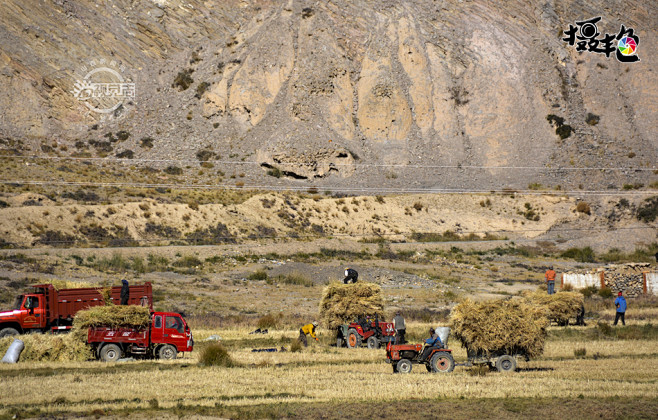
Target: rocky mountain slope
{"x": 352, "y": 94}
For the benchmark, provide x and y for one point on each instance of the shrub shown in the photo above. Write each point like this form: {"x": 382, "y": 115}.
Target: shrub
{"x": 146, "y": 142}
{"x": 592, "y": 119}
{"x": 275, "y": 172}
{"x": 183, "y": 79}
{"x": 295, "y": 346}
{"x": 216, "y": 355}
{"x": 201, "y": 88}
{"x": 589, "y": 291}
{"x": 173, "y": 170}
{"x": 267, "y": 321}
{"x": 605, "y": 292}
{"x": 580, "y": 254}
{"x": 581, "y": 352}
{"x": 188, "y": 261}
{"x": 583, "y": 207}
{"x": 258, "y": 275}
{"x": 126, "y": 154}
{"x": 123, "y": 135}
{"x": 648, "y": 211}
{"x": 296, "y": 279}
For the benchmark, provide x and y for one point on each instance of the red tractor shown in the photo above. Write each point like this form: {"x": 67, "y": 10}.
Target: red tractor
{"x": 403, "y": 356}
{"x": 371, "y": 332}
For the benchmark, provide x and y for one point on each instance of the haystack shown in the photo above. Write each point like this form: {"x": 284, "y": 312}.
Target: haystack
{"x": 50, "y": 348}
{"x": 342, "y": 303}
{"x": 509, "y": 326}
{"x": 67, "y": 284}
{"x": 561, "y": 306}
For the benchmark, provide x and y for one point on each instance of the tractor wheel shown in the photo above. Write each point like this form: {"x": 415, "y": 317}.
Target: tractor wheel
{"x": 167, "y": 352}
{"x": 404, "y": 366}
{"x": 6, "y": 332}
{"x": 506, "y": 363}
{"x": 443, "y": 362}
{"x": 353, "y": 338}
{"x": 110, "y": 353}
{"x": 373, "y": 343}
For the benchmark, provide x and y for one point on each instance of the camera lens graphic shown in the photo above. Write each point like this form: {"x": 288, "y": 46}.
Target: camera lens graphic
{"x": 588, "y": 30}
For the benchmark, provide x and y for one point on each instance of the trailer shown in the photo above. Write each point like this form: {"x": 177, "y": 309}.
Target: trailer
{"x": 52, "y": 310}
{"x": 164, "y": 337}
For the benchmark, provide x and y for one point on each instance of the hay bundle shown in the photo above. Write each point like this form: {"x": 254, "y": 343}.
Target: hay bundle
{"x": 112, "y": 316}
{"x": 67, "y": 284}
{"x": 509, "y": 326}
{"x": 343, "y": 303}
{"x": 560, "y": 306}
{"x": 51, "y": 348}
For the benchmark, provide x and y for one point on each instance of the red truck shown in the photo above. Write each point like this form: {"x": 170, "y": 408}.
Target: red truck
{"x": 49, "y": 309}
{"x": 166, "y": 335}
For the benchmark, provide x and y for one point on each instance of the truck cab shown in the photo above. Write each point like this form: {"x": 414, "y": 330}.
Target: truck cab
{"x": 171, "y": 328}
{"x": 28, "y": 313}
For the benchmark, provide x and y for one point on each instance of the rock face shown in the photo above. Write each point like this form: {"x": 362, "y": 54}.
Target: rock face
{"x": 451, "y": 94}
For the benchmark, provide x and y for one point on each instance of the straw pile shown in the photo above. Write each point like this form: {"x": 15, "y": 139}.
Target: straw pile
{"x": 112, "y": 316}
{"x": 509, "y": 326}
{"x": 560, "y": 306}
{"x": 342, "y": 303}
{"x": 51, "y": 348}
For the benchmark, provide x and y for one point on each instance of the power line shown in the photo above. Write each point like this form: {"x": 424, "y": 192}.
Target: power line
{"x": 382, "y": 165}
{"x": 306, "y": 188}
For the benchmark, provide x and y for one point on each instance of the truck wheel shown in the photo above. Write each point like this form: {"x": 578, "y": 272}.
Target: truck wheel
{"x": 110, "y": 353}
{"x": 443, "y": 362}
{"x": 404, "y": 366}
{"x": 6, "y": 332}
{"x": 167, "y": 352}
{"x": 353, "y": 338}
{"x": 373, "y": 343}
{"x": 506, "y": 363}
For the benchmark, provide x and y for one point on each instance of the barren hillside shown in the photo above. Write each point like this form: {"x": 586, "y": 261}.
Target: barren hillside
{"x": 359, "y": 94}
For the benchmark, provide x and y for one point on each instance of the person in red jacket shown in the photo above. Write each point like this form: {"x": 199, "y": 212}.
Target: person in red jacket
{"x": 550, "y": 280}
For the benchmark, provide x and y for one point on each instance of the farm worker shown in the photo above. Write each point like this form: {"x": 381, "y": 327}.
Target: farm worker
{"x": 620, "y": 304}
{"x": 550, "y": 280}
{"x": 125, "y": 292}
{"x": 310, "y": 330}
{"x": 434, "y": 342}
{"x": 351, "y": 276}
{"x": 400, "y": 329}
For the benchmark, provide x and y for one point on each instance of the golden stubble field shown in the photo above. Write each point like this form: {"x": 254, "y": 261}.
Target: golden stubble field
{"x": 321, "y": 374}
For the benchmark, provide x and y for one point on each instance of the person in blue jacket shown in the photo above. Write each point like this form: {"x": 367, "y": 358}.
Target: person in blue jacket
{"x": 434, "y": 342}
{"x": 620, "y": 304}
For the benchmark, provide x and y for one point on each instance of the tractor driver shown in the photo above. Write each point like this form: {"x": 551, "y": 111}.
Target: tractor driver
{"x": 434, "y": 342}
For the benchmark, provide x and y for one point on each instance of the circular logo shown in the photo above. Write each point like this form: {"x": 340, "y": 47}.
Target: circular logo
{"x": 588, "y": 30}
{"x": 627, "y": 46}
{"x": 103, "y": 89}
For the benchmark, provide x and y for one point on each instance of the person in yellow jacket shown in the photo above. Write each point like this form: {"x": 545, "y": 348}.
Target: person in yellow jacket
{"x": 310, "y": 330}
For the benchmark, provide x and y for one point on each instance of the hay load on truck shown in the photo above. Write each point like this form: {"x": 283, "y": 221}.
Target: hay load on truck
{"x": 48, "y": 309}
{"x": 498, "y": 332}
{"x": 160, "y": 335}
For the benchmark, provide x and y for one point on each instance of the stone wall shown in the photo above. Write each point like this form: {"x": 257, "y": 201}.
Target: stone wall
{"x": 633, "y": 279}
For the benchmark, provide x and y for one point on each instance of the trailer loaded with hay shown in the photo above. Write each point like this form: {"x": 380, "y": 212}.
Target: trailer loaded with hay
{"x": 498, "y": 332}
